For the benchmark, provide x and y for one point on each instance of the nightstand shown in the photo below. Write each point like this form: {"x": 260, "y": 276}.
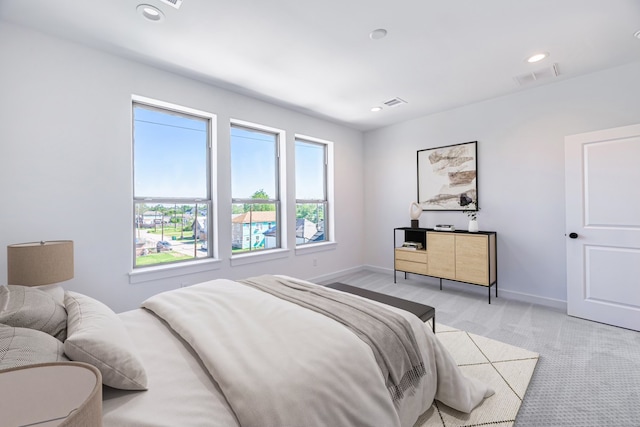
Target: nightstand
{"x": 51, "y": 394}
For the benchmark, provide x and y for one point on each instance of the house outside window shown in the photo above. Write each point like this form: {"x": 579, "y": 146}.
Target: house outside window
{"x": 172, "y": 186}
{"x": 255, "y": 188}
{"x": 312, "y": 200}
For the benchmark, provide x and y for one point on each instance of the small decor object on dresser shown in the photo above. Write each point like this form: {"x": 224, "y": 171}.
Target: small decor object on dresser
{"x": 412, "y": 245}
{"x": 471, "y": 209}
{"x": 415, "y": 210}
{"x": 444, "y": 227}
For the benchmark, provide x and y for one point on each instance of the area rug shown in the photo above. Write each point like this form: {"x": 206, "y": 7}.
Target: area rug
{"x": 506, "y": 368}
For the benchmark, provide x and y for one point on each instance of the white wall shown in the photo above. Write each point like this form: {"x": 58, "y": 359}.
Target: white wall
{"x": 65, "y": 163}
{"x": 520, "y": 173}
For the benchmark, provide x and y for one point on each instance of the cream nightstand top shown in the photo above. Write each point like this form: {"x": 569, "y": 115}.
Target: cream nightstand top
{"x": 51, "y": 394}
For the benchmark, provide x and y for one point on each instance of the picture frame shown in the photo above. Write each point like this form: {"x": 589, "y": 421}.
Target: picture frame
{"x": 448, "y": 177}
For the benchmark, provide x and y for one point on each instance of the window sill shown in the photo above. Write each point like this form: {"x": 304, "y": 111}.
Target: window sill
{"x": 250, "y": 258}
{"x": 315, "y": 247}
{"x": 148, "y": 274}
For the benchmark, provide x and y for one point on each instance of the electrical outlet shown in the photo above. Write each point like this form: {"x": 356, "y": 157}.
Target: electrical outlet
{"x": 315, "y": 262}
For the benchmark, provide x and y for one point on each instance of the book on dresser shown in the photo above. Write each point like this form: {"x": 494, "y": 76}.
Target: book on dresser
{"x": 412, "y": 246}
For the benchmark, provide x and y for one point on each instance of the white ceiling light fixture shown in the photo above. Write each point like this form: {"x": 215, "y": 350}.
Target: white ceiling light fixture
{"x": 637, "y": 34}
{"x": 376, "y": 109}
{"x": 537, "y": 57}
{"x": 378, "y": 34}
{"x": 150, "y": 13}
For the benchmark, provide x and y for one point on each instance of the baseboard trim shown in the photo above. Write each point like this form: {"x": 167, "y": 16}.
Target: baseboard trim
{"x": 534, "y": 299}
{"x": 331, "y": 277}
{"x": 502, "y": 293}
{"x": 376, "y": 269}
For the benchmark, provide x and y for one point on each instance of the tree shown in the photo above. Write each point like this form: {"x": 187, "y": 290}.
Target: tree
{"x": 260, "y": 195}
{"x": 313, "y": 212}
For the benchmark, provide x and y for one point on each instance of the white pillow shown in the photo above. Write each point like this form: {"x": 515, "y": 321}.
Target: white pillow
{"x": 55, "y": 291}
{"x": 22, "y": 346}
{"x": 96, "y": 335}
{"x": 26, "y": 307}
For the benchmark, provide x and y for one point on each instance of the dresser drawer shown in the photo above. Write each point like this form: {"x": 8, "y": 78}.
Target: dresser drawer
{"x": 411, "y": 267}
{"x": 413, "y": 256}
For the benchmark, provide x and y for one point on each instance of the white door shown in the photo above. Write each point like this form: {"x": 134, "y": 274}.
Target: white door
{"x": 602, "y": 181}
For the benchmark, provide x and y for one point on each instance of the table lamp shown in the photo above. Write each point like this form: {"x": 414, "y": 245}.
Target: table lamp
{"x": 40, "y": 263}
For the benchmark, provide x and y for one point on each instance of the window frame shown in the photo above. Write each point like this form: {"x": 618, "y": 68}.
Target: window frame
{"x": 328, "y": 178}
{"x": 280, "y": 186}
{"x": 138, "y": 273}
{"x": 324, "y": 201}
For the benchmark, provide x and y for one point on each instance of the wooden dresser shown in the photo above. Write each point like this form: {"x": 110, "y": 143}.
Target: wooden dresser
{"x": 452, "y": 255}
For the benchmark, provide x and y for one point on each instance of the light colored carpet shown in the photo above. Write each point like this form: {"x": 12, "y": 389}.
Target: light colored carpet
{"x": 588, "y": 375}
{"x": 506, "y": 368}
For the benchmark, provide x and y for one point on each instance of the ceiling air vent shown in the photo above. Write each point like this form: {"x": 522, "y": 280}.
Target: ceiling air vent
{"x": 534, "y": 76}
{"x": 174, "y": 3}
{"x": 394, "y": 102}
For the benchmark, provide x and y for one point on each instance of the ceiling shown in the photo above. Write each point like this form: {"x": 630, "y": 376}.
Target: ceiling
{"x": 316, "y": 56}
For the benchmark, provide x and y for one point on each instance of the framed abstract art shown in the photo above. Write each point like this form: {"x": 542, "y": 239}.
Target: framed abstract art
{"x": 448, "y": 177}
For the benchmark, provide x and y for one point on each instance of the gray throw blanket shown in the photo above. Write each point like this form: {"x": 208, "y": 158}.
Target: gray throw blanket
{"x": 387, "y": 333}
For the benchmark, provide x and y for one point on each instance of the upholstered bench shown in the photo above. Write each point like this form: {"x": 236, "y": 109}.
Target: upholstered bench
{"x": 423, "y": 312}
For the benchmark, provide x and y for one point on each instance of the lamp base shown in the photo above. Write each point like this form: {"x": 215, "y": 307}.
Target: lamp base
{"x": 415, "y": 223}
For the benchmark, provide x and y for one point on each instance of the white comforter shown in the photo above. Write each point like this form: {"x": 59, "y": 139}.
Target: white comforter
{"x": 282, "y": 365}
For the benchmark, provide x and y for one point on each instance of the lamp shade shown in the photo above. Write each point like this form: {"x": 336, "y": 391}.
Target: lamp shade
{"x": 63, "y": 394}
{"x": 39, "y": 263}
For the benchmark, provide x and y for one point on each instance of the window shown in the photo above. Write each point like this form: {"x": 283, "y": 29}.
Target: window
{"x": 171, "y": 184}
{"x": 255, "y": 192}
{"x": 311, "y": 192}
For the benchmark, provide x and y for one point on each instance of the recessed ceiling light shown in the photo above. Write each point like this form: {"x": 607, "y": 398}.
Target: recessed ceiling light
{"x": 537, "y": 57}
{"x": 378, "y": 34}
{"x": 637, "y": 34}
{"x": 150, "y": 13}
{"x": 376, "y": 109}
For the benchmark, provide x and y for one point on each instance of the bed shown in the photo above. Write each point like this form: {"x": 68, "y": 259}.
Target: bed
{"x": 231, "y": 353}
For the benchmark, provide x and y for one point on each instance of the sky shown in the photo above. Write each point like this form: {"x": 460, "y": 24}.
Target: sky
{"x": 253, "y": 163}
{"x": 170, "y": 159}
{"x": 169, "y": 155}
